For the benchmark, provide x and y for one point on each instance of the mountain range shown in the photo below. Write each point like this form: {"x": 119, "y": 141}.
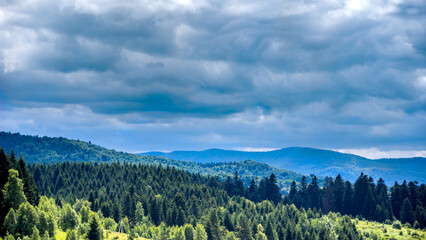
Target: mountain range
{"x": 287, "y": 164}
{"x": 315, "y": 161}
{"x": 37, "y": 149}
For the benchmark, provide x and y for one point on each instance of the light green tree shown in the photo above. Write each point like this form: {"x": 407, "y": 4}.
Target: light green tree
{"x": 230, "y": 236}
{"x": 84, "y": 213}
{"x": 189, "y": 232}
{"x": 13, "y": 190}
{"x": 26, "y": 219}
{"x": 10, "y": 222}
{"x": 68, "y": 219}
{"x": 71, "y": 235}
{"x": 46, "y": 222}
{"x": 200, "y": 232}
{"x": 179, "y": 235}
{"x": 139, "y": 213}
{"x": 36, "y": 235}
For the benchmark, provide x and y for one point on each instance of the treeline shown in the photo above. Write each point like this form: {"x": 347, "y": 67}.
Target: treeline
{"x": 153, "y": 202}
{"x": 365, "y": 198}
{"x": 58, "y": 149}
{"x": 167, "y": 194}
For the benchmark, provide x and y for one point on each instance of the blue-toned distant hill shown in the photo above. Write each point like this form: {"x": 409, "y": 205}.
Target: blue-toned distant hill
{"x": 51, "y": 149}
{"x": 315, "y": 161}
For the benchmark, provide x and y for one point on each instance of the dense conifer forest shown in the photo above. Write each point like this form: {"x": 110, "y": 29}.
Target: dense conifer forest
{"x": 92, "y": 200}
{"x": 51, "y": 150}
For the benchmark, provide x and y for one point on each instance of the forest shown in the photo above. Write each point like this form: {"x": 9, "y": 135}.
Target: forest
{"x": 58, "y": 149}
{"x": 83, "y": 200}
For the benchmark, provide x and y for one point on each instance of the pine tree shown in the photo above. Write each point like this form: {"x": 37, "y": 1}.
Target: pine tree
{"x": 139, "y": 213}
{"x": 273, "y": 190}
{"x": 407, "y": 215}
{"x": 314, "y": 193}
{"x": 420, "y": 216}
{"x": 244, "y": 231}
{"x": 30, "y": 189}
{"x": 95, "y": 231}
{"x": 180, "y": 218}
{"x": 338, "y": 194}
{"x": 348, "y": 200}
{"x": 227, "y": 222}
{"x": 270, "y": 232}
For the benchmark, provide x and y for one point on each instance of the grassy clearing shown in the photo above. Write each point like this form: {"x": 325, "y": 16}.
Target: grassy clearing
{"x": 60, "y": 235}
{"x": 377, "y": 231}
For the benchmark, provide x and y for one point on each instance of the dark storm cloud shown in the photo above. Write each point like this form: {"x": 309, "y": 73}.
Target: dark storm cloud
{"x": 219, "y": 72}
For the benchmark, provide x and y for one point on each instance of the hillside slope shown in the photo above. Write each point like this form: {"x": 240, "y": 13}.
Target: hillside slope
{"x": 51, "y": 150}
{"x": 315, "y": 161}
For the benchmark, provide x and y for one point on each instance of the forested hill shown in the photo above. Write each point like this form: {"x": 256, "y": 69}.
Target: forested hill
{"x": 314, "y": 161}
{"x": 81, "y": 200}
{"x": 51, "y": 150}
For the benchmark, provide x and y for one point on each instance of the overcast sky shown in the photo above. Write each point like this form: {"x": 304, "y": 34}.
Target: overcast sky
{"x": 141, "y": 75}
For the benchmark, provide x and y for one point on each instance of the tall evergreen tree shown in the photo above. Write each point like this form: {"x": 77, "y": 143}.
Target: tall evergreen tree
{"x": 338, "y": 194}
{"x": 95, "y": 230}
{"x": 348, "y": 199}
{"x": 407, "y": 215}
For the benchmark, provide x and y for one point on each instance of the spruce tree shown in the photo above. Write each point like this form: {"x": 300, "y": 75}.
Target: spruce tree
{"x": 244, "y": 232}
{"x": 270, "y": 232}
{"x": 95, "y": 231}
{"x": 407, "y": 215}
{"x": 348, "y": 200}
{"x": 338, "y": 194}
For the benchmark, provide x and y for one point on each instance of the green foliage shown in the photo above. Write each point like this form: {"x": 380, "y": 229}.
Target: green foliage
{"x": 36, "y": 235}
{"x": 189, "y": 232}
{"x": 84, "y": 214}
{"x": 95, "y": 230}
{"x": 396, "y": 225}
{"x": 13, "y": 191}
{"x": 200, "y": 232}
{"x": 71, "y": 235}
{"x": 52, "y": 150}
{"x": 68, "y": 218}
{"x": 407, "y": 214}
{"x": 109, "y": 224}
{"x": 46, "y": 222}
{"x": 10, "y": 222}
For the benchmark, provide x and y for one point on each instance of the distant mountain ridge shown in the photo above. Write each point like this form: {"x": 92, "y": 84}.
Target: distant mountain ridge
{"x": 314, "y": 161}
{"x": 58, "y": 149}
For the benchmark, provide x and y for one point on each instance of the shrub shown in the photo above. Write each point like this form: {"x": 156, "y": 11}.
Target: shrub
{"x": 416, "y": 225}
{"x": 396, "y": 225}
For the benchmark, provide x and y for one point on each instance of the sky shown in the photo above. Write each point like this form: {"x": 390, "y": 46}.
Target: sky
{"x": 143, "y": 75}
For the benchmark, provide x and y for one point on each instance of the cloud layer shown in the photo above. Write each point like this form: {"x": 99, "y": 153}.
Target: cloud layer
{"x": 186, "y": 74}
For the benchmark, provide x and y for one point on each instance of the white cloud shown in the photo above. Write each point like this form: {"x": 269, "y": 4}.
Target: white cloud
{"x": 375, "y": 153}
{"x": 251, "y": 149}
